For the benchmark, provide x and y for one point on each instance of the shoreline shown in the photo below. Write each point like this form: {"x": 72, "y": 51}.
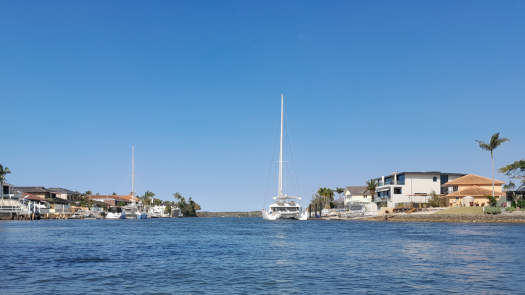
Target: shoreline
{"x": 500, "y": 218}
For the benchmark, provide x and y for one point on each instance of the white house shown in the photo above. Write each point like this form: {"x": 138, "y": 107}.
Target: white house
{"x": 411, "y": 187}
{"x": 355, "y": 194}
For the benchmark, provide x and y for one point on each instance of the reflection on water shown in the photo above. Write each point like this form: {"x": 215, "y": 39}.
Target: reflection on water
{"x": 250, "y": 256}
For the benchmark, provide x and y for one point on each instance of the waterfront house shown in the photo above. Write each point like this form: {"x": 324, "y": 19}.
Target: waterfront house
{"x": 58, "y": 203}
{"x": 65, "y": 194}
{"x": 38, "y": 191}
{"x": 7, "y": 191}
{"x": 113, "y": 200}
{"x": 411, "y": 187}
{"x": 472, "y": 190}
{"x": 355, "y": 194}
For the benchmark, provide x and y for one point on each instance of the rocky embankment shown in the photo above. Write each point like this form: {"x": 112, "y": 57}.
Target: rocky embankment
{"x": 486, "y": 218}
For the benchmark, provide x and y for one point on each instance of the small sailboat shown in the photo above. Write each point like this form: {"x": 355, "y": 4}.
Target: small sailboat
{"x": 285, "y": 206}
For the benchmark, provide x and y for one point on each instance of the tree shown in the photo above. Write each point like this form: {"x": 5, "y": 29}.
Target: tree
{"x": 3, "y": 172}
{"x": 435, "y": 200}
{"x": 327, "y": 196}
{"x": 495, "y": 141}
{"x": 317, "y": 204}
{"x": 147, "y": 197}
{"x": 508, "y": 187}
{"x": 188, "y": 209}
{"x": 371, "y": 185}
{"x": 515, "y": 170}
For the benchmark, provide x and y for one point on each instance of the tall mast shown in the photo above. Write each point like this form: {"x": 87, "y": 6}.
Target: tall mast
{"x": 133, "y": 173}
{"x": 280, "y": 188}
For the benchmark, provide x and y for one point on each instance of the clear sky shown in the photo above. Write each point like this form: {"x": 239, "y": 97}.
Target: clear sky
{"x": 371, "y": 87}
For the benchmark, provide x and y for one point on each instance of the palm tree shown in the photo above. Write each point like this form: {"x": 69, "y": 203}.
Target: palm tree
{"x": 327, "y": 195}
{"x": 3, "y": 172}
{"x": 495, "y": 141}
{"x": 371, "y": 185}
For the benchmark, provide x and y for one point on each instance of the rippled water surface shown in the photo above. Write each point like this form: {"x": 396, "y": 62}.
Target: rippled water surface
{"x": 251, "y": 256}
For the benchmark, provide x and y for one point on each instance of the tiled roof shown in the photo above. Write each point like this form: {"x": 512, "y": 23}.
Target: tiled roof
{"x": 30, "y": 189}
{"x": 473, "y": 179}
{"x": 62, "y": 191}
{"x": 33, "y": 197}
{"x": 474, "y": 191}
{"x": 356, "y": 190}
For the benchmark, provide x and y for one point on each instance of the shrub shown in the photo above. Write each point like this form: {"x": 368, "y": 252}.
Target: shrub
{"x": 492, "y": 201}
{"x": 492, "y": 210}
{"x": 510, "y": 209}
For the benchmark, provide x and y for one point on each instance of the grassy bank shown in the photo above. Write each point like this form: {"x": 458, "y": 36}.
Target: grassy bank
{"x": 461, "y": 211}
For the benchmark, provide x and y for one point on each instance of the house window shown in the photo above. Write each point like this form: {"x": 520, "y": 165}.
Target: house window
{"x": 434, "y": 179}
{"x": 455, "y": 188}
{"x": 397, "y": 190}
{"x": 401, "y": 179}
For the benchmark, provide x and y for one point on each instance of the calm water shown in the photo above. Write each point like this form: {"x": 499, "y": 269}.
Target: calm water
{"x": 250, "y": 256}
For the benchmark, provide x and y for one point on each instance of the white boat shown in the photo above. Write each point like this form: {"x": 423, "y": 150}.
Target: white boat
{"x": 284, "y": 207}
{"x": 115, "y": 213}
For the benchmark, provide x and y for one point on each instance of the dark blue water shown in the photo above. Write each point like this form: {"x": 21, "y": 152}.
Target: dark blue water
{"x": 250, "y": 256}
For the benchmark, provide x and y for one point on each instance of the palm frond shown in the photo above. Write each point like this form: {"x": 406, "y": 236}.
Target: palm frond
{"x": 483, "y": 145}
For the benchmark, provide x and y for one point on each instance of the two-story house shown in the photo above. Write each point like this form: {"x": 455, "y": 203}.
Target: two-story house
{"x": 356, "y": 194}
{"x": 411, "y": 187}
{"x": 472, "y": 190}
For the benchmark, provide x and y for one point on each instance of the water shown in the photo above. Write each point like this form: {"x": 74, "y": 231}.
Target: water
{"x": 251, "y": 256}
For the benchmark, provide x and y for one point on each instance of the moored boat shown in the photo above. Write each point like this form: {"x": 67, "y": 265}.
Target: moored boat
{"x": 284, "y": 207}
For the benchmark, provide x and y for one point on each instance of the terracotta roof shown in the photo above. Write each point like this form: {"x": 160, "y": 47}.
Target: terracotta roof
{"x": 473, "y": 179}
{"x": 474, "y": 191}
{"x": 33, "y": 197}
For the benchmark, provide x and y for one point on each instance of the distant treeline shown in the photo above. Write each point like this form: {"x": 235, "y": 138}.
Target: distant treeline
{"x": 229, "y": 214}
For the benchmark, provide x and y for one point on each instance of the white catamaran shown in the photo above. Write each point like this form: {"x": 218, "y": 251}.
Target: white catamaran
{"x": 284, "y": 207}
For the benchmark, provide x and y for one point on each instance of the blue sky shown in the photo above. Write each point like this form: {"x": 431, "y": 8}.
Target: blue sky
{"x": 371, "y": 87}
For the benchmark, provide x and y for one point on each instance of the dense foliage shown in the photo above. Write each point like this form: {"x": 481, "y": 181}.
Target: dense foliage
{"x": 515, "y": 170}
{"x": 188, "y": 208}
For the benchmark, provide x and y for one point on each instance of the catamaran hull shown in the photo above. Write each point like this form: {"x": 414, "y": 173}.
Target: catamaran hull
{"x": 276, "y": 216}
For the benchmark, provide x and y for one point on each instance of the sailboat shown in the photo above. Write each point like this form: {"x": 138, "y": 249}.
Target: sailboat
{"x": 285, "y": 206}
{"x": 133, "y": 211}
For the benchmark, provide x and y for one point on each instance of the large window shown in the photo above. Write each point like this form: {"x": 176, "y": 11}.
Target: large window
{"x": 444, "y": 179}
{"x": 434, "y": 179}
{"x": 401, "y": 179}
{"x": 388, "y": 180}
{"x": 384, "y": 194}
{"x": 397, "y": 191}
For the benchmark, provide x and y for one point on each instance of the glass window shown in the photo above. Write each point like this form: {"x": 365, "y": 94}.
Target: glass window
{"x": 434, "y": 179}
{"x": 444, "y": 178}
{"x": 388, "y": 180}
{"x": 401, "y": 179}
{"x": 397, "y": 190}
